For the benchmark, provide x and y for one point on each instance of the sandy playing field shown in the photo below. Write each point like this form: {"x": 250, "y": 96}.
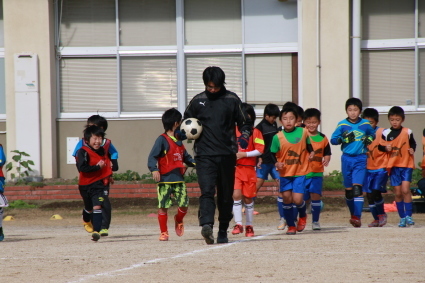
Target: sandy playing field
{"x": 37, "y": 249}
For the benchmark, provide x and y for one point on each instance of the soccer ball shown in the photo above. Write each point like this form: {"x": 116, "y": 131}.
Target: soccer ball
{"x": 192, "y": 128}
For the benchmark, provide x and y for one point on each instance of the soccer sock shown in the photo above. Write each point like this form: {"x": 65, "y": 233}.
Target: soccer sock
{"x": 289, "y": 214}
{"x": 237, "y": 211}
{"x": 301, "y": 210}
{"x": 315, "y": 210}
{"x": 350, "y": 204}
{"x": 358, "y": 206}
{"x": 181, "y": 212}
{"x": 97, "y": 219}
{"x": 400, "y": 209}
{"x": 249, "y": 210}
{"x": 86, "y": 216}
{"x": 380, "y": 206}
{"x": 373, "y": 211}
{"x": 295, "y": 211}
{"x": 162, "y": 219}
{"x": 280, "y": 207}
{"x": 408, "y": 206}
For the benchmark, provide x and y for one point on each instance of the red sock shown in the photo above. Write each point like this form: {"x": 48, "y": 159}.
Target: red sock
{"x": 181, "y": 212}
{"x": 162, "y": 219}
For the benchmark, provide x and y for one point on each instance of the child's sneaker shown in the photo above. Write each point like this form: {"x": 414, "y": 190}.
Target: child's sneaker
{"x": 164, "y": 236}
{"x": 292, "y": 230}
{"x": 179, "y": 227}
{"x": 355, "y": 221}
{"x": 249, "y": 231}
{"x": 1, "y": 234}
{"x": 409, "y": 220}
{"x": 282, "y": 224}
{"x": 316, "y": 226}
{"x": 238, "y": 229}
{"x": 104, "y": 232}
{"x": 88, "y": 226}
{"x": 382, "y": 219}
{"x": 95, "y": 236}
{"x": 301, "y": 224}
{"x": 374, "y": 223}
{"x": 402, "y": 222}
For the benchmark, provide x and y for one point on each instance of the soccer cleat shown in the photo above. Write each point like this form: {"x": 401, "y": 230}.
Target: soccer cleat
{"x": 382, "y": 219}
{"x": 292, "y": 230}
{"x": 238, "y": 229}
{"x": 207, "y": 233}
{"x": 301, "y": 223}
{"x": 402, "y": 222}
{"x": 95, "y": 236}
{"x": 282, "y": 224}
{"x": 355, "y": 221}
{"x": 316, "y": 226}
{"x": 409, "y": 220}
{"x": 374, "y": 223}
{"x": 222, "y": 237}
{"x": 179, "y": 227}
{"x": 164, "y": 236}
{"x": 249, "y": 231}
{"x": 104, "y": 232}
{"x": 1, "y": 234}
{"x": 88, "y": 226}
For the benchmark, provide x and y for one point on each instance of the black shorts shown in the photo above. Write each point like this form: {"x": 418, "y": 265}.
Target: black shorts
{"x": 94, "y": 194}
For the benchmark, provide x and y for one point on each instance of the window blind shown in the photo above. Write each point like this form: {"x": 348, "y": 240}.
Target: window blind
{"x": 148, "y": 83}
{"x": 88, "y": 85}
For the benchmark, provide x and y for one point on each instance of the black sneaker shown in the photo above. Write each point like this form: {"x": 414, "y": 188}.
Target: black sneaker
{"x": 207, "y": 233}
{"x": 222, "y": 237}
{"x": 1, "y": 234}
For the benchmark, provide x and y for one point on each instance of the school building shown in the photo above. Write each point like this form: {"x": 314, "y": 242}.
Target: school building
{"x": 129, "y": 60}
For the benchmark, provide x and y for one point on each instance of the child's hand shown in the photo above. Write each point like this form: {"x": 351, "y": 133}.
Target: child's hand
{"x": 388, "y": 147}
{"x": 240, "y": 155}
{"x": 156, "y": 176}
{"x": 279, "y": 165}
{"x": 260, "y": 161}
{"x": 411, "y": 151}
{"x": 101, "y": 164}
{"x": 326, "y": 160}
{"x": 310, "y": 158}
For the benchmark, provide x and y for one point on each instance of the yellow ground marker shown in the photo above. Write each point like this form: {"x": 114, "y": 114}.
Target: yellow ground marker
{"x": 56, "y": 217}
{"x": 8, "y": 218}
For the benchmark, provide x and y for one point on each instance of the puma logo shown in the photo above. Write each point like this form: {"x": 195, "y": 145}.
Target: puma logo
{"x": 397, "y": 151}
{"x": 294, "y": 154}
{"x": 203, "y": 103}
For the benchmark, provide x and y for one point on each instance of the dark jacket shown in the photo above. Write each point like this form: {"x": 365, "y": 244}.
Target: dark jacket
{"x": 218, "y": 113}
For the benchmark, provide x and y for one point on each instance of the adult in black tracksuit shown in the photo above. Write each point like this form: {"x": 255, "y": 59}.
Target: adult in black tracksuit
{"x": 219, "y": 110}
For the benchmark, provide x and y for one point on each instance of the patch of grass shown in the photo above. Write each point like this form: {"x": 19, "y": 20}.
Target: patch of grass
{"x": 333, "y": 182}
{"x": 20, "y": 204}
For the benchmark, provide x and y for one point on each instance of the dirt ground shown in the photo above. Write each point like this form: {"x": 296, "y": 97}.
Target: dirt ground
{"x": 37, "y": 249}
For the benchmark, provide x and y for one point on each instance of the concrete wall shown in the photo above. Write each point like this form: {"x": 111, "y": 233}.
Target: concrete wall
{"x": 29, "y": 27}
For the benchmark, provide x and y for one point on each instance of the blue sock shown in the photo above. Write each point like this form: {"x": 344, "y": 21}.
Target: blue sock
{"x": 358, "y": 206}
{"x": 400, "y": 209}
{"x": 373, "y": 210}
{"x": 380, "y": 207}
{"x": 408, "y": 206}
{"x": 315, "y": 210}
{"x": 280, "y": 207}
{"x": 350, "y": 204}
{"x": 295, "y": 211}
{"x": 289, "y": 214}
{"x": 97, "y": 219}
{"x": 301, "y": 210}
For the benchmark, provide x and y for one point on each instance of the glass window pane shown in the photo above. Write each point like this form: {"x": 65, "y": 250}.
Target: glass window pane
{"x": 87, "y": 23}
{"x": 260, "y": 16}
{"x": 421, "y": 9}
{"x": 212, "y": 22}
{"x": 230, "y": 64}
{"x": 148, "y": 83}
{"x": 147, "y": 22}
{"x": 388, "y": 19}
{"x": 269, "y": 78}
{"x": 388, "y": 77}
{"x": 88, "y": 85}
{"x": 422, "y": 77}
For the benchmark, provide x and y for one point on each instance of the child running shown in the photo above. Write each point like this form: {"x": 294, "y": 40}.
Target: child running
{"x": 400, "y": 145}
{"x": 245, "y": 177}
{"x": 166, "y": 162}
{"x": 101, "y": 122}
{"x": 292, "y": 149}
{"x": 319, "y": 158}
{"x": 354, "y": 134}
{"x": 377, "y": 176}
{"x": 94, "y": 165}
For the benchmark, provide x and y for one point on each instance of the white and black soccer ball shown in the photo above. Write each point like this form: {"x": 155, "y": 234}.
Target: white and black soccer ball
{"x": 192, "y": 128}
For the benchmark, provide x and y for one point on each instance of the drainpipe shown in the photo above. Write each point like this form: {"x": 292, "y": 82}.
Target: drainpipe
{"x": 356, "y": 50}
